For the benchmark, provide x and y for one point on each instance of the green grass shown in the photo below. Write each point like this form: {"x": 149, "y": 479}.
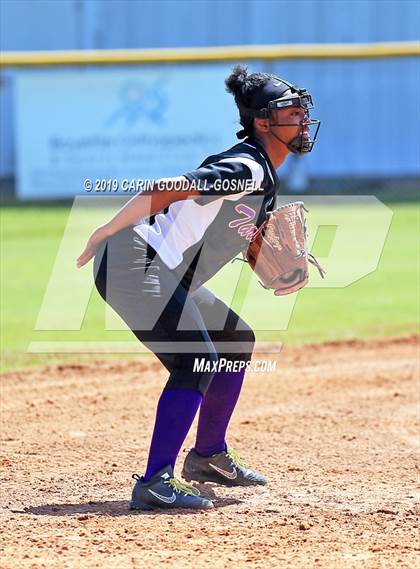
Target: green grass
{"x": 384, "y": 303}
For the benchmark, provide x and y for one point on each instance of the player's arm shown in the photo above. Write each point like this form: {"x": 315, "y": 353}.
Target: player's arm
{"x": 148, "y": 203}
{"x": 142, "y": 205}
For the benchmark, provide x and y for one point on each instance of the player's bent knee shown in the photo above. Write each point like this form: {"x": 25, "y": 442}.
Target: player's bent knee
{"x": 243, "y": 343}
{"x": 193, "y": 371}
{"x": 250, "y": 338}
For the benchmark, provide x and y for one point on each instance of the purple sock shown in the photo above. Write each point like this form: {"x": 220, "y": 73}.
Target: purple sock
{"x": 175, "y": 413}
{"x": 216, "y": 410}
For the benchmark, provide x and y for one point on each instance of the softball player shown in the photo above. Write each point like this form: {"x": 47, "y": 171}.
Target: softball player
{"x": 151, "y": 261}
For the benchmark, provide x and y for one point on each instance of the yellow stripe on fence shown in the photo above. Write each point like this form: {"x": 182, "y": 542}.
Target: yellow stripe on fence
{"x": 210, "y": 54}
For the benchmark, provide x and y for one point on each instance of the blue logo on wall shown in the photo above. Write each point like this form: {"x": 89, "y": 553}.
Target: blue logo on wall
{"x": 140, "y": 101}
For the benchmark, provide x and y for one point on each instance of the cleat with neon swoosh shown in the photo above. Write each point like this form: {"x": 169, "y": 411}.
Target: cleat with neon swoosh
{"x": 225, "y": 468}
{"x": 164, "y": 491}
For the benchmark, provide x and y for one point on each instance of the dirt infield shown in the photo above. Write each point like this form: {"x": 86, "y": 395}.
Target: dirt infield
{"x": 335, "y": 428}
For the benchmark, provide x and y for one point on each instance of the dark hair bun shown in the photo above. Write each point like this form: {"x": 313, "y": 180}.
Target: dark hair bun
{"x": 245, "y": 88}
{"x": 236, "y": 81}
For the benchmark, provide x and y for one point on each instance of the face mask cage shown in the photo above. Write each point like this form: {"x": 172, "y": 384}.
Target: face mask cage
{"x": 305, "y": 140}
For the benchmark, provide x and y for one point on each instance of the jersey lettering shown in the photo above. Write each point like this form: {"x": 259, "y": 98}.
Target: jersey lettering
{"x": 246, "y": 230}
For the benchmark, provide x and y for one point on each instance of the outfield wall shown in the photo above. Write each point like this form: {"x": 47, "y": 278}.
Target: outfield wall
{"x": 368, "y": 107}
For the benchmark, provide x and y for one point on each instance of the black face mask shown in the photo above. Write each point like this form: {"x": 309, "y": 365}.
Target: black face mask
{"x": 278, "y": 94}
{"x": 302, "y": 142}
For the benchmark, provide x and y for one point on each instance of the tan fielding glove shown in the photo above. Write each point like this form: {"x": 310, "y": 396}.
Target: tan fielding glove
{"x": 278, "y": 253}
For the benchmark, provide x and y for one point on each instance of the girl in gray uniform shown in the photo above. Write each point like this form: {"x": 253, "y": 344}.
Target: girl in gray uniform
{"x": 151, "y": 261}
